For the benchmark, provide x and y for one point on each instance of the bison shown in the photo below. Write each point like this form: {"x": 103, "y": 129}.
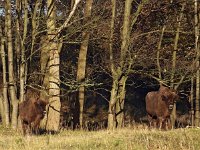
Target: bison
{"x": 31, "y": 112}
{"x": 159, "y": 105}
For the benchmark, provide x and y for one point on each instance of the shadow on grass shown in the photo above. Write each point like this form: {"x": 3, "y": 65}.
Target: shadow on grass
{"x": 41, "y": 132}
{"x": 44, "y": 131}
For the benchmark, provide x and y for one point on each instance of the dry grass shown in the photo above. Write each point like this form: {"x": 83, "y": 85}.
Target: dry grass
{"x": 123, "y": 139}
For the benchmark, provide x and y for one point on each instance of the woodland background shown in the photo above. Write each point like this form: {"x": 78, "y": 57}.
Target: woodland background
{"x": 95, "y": 60}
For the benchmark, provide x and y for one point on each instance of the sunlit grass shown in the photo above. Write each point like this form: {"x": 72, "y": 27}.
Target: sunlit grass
{"x": 122, "y": 139}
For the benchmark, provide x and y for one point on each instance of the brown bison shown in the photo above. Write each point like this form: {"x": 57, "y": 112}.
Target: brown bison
{"x": 31, "y": 112}
{"x": 159, "y": 105}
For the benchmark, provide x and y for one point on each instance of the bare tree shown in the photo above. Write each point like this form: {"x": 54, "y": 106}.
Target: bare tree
{"x": 125, "y": 63}
{"x": 35, "y": 23}
{"x": 173, "y": 115}
{"x": 111, "y": 115}
{"x": 192, "y": 100}
{"x": 53, "y": 118}
{"x": 82, "y": 59}
{"x": 44, "y": 66}
{"x": 12, "y": 84}
{"x": 121, "y": 71}
{"x": 158, "y": 54}
{"x": 23, "y": 63}
{"x": 6, "y": 110}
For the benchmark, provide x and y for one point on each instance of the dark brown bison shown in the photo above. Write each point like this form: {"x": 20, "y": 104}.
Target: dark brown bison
{"x": 159, "y": 105}
{"x": 31, "y": 112}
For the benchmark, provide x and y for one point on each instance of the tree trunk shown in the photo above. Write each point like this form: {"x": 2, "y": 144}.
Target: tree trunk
{"x": 192, "y": 100}
{"x": 119, "y": 74}
{"x": 82, "y": 60}
{"x": 120, "y": 102}
{"x": 197, "y": 63}
{"x": 158, "y": 54}
{"x": 112, "y": 107}
{"x": 34, "y": 22}
{"x": 123, "y": 63}
{"x": 44, "y": 78}
{"x": 12, "y": 84}
{"x": 23, "y": 64}
{"x": 173, "y": 115}
{"x": 6, "y": 109}
{"x": 44, "y": 66}
{"x": 53, "y": 116}
{"x": 125, "y": 33}
{"x": 2, "y": 112}
{"x": 113, "y": 95}
{"x": 17, "y": 39}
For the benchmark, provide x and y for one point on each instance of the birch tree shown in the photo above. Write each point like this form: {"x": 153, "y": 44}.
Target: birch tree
{"x": 53, "y": 118}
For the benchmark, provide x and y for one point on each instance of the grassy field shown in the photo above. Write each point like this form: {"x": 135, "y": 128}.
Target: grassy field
{"x": 123, "y": 139}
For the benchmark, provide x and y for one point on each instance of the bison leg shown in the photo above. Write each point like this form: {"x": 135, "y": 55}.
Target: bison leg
{"x": 168, "y": 123}
{"x": 155, "y": 123}
{"x": 36, "y": 124}
{"x": 160, "y": 122}
{"x": 24, "y": 127}
{"x": 150, "y": 120}
{"x": 30, "y": 131}
{"x": 36, "y": 128}
{"x": 164, "y": 124}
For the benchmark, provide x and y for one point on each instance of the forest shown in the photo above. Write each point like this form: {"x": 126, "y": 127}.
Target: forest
{"x": 94, "y": 61}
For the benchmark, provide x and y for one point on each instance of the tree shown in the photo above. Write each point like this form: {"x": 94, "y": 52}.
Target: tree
{"x": 174, "y": 55}
{"x": 6, "y": 110}
{"x": 53, "y": 118}
{"x": 145, "y": 47}
{"x": 125, "y": 37}
{"x": 21, "y": 46}
{"x": 44, "y": 67}
{"x": 196, "y": 14}
{"x": 81, "y": 71}
{"x": 12, "y": 84}
{"x": 121, "y": 71}
{"x": 111, "y": 115}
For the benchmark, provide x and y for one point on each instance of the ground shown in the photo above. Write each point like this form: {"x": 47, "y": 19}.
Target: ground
{"x": 132, "y": 138}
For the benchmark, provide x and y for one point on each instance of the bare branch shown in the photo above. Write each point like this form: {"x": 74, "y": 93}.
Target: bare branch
{"x": 65, "y": 24}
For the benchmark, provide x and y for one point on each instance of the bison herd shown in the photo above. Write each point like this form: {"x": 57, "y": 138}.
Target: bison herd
{"x": 159, "y": 106}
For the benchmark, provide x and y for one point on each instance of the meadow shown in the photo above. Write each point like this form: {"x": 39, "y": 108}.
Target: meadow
{"x": 131, "y": 138}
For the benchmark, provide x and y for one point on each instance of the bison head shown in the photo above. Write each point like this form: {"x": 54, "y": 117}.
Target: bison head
{"x": 170, "y": 97}
{"x": 41, "y": 104}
